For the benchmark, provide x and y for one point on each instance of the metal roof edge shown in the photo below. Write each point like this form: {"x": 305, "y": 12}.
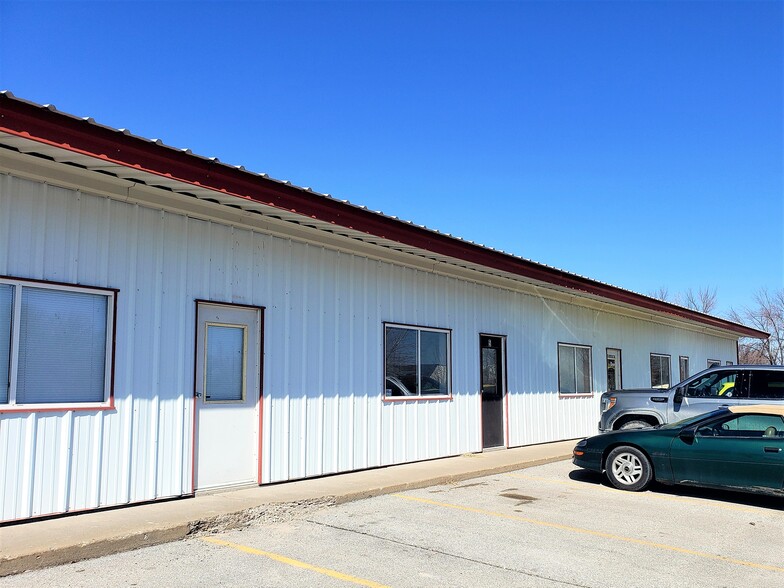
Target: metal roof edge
{"x": 45, "y": 124}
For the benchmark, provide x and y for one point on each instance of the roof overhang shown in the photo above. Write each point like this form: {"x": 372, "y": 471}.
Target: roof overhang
{"x": 30, "y": 128}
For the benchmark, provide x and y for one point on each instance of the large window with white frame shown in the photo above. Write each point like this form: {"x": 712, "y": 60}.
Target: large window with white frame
{"x": 416, "y": 362}
{"x": 55, "y": 345}
{"x": 575, "y": 372}
{"x": 660, "y": 370}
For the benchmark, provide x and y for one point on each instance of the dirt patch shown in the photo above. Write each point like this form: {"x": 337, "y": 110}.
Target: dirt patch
{"x": 522, "y": 498}
{"x": 471, "y": 485}
{"x": 268, "y": 514}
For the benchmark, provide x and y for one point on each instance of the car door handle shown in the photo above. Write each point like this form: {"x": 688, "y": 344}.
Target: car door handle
{"x": 772, "y": 449}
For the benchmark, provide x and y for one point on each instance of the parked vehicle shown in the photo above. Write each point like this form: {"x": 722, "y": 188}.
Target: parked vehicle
{"x": 716, "y": 387}
{"x": 737, "y": 447}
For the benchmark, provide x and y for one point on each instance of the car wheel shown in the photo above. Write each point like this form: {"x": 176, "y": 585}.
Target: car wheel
{"x": 635, "y": 425}
{"x": 628, "y": 468}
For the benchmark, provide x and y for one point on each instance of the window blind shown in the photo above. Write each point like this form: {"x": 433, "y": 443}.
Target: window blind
{"x": 62, "y": 347}
{"x": 225, "y": 363}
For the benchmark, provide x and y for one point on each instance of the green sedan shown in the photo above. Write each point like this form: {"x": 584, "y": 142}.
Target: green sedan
{"x": 738, "y": 448}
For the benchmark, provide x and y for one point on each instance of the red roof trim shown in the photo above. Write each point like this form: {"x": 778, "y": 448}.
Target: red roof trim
{"x": 41, "y": 124}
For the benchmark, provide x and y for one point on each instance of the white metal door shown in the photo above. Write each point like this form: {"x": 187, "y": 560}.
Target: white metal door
{"x": 228, "y": 368}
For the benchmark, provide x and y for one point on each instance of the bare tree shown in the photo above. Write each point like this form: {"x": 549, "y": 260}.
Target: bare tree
{"x": 661, "y": 293}
{"x": 767, "y": 315}
{"x": 704, "y": 300}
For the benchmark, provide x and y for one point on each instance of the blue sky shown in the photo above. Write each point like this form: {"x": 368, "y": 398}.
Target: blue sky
{"x": 637, "y": 143}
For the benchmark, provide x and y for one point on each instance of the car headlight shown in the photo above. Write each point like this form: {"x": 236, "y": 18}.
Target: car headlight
{"x": 608, "y": 403}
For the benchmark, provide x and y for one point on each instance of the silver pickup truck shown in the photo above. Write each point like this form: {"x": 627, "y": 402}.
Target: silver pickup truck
{"x": 706, "y": 391}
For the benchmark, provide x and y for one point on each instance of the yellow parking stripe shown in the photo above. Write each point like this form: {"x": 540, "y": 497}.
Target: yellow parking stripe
{"x": 296, "y": 563}
{"x": 592, "y": 533}
{"x": 648, "y": 495}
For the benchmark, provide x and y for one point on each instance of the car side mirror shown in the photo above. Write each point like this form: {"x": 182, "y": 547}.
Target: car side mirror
{"x": 688, "y": 434}
{"x": 678, "y": 398}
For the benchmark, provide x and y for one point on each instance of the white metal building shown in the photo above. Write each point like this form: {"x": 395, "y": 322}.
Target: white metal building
{"x": 170, "y": 324}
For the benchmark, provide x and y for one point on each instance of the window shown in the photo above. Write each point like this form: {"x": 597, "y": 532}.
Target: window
{"x": 660, "y": 370}
{"x": 714, "y": 385}
{"x": 416, "y": 361}
{"x": 55, "y": 345}
{"x": 614, "y": 375}
{"x": 713, "y": 362}
{"x": 766, "y": 385}
{"x": 747, "y": 425}
{"x": 574, "y": 369}
{"x": 224, "y": 365}
{"x": 683, "y": 361}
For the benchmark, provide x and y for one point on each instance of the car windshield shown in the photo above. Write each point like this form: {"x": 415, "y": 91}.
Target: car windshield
{"x": 692, "y": 420}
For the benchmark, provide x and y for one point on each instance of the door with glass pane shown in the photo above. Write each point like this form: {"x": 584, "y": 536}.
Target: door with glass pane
{"x": 228, "y": 369}
{"x": 493, "y": 390}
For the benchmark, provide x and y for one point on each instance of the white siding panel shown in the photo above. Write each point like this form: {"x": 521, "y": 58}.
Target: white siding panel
{"x": 85, "y": 441}
{"x": 16, "y": 441}
{"x": 322, "y": 407}
{"x": 49, "y": 465}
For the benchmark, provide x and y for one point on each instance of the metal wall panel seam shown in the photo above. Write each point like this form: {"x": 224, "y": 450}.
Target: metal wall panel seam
{"x": 37, "y": 251}
{"x": 181, "y": 453}
{"x": 284, "y": 390}
{"x": 28, "y": 465}
{"x": 155, "y": 376}
{"x": 5, "y": 220}
{"x": 318, "y": 457}
{"x": 73, "y": 242}
{"x": 305, "y": 385}
{"x": 334, "y": 466}
{"x": 93, "y": 500}
{"x": 67, "y": 431}
{"x": 125, "y": 457}
{"x": 351, "y": 321}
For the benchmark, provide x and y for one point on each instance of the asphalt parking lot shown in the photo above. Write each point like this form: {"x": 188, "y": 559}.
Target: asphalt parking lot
{"x": 552, "y": 525}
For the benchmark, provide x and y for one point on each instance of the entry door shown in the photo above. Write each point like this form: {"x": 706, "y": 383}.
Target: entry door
{"x": 493, "y": 362}
{"x": 614, "y": 376}
{"x": 228, "y": 368}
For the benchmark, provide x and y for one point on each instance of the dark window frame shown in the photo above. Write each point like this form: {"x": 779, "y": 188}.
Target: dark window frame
{"x": 669, "y": 369}
{"x": 590, "y": 367}
{"x": 620, "y": 365}
{"x": 416, "y": 397}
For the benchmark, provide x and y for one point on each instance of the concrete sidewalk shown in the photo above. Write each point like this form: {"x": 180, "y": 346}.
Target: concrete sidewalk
{"x": 66, "y": 539}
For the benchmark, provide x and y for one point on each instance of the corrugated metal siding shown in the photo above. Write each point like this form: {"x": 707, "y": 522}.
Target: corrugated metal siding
{"x": 323, "y": 371}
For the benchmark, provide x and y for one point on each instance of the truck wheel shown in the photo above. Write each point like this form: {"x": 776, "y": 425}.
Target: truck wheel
{"x": 634, "y": 425}
{"x": 628, "y": 468}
